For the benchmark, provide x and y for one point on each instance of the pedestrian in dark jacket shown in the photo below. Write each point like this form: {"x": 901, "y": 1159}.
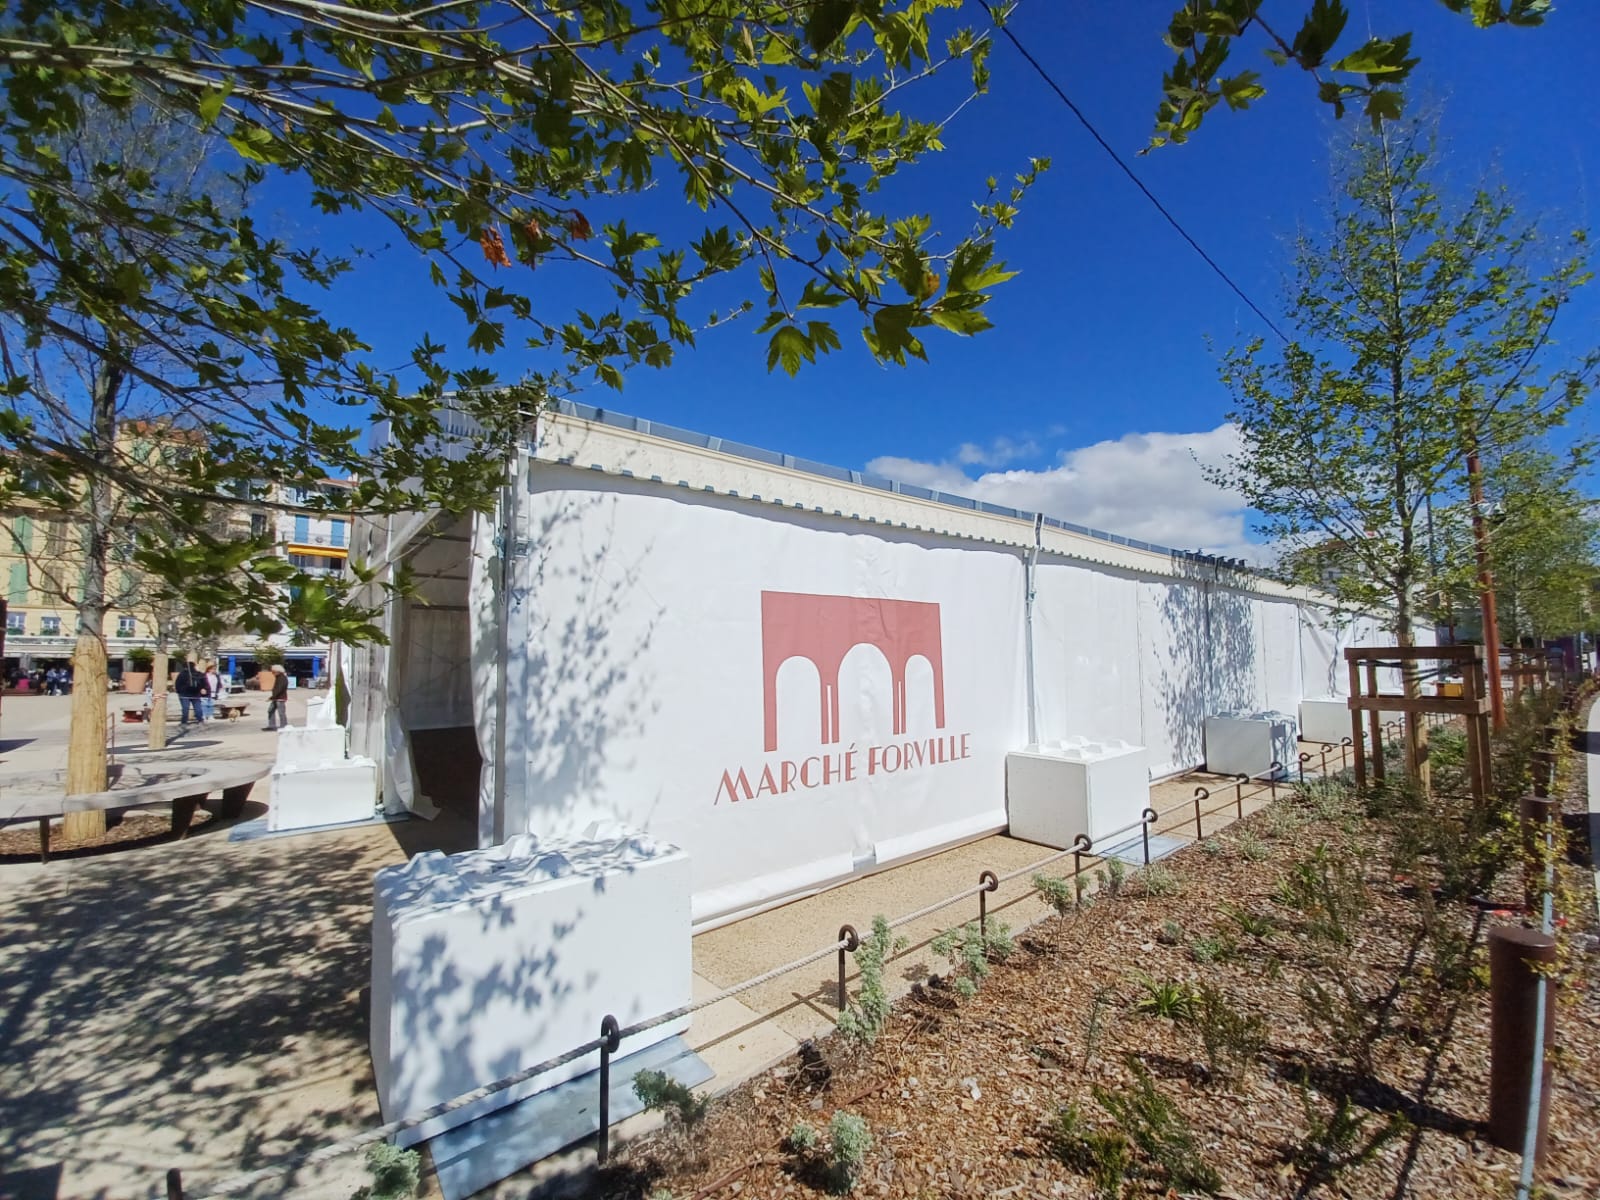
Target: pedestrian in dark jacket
{"x": 192, "y": 691}
{"x": 278, "y": 703}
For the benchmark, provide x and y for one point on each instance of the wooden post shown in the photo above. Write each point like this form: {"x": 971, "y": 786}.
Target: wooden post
{"x": 1375, "y": 723}
{"x": 1471, "y": 681}
{"x": 1355, "y": 726}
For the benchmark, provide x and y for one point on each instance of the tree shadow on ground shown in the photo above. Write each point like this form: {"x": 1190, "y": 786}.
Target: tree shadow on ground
{"x": 183, "y": 1005}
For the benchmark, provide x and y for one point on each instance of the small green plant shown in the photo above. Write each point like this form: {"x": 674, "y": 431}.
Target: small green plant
{"x": 1159, "y": 881}
{"x": 1253, "y": 924}
{"x": 659, "y": 1092}
{"x": 141, "y": 659}
{"x": 1057, "y": 893}
{"x": 1114, "y": 877}
{"x": 1170, "y": 933}
{"x": 1104, "y": 997}
{"x": 1156, "y": 1127}
{"x": 1169, "y": 998}
{"x": 1080, "y": 887}
{"x": 803, "y": 1137}
{"x": 867, "y": 1014}
{"x": 1328, "y": 797}
{"x": 1283, "y": 821}
{"x": 1354, "y": 1025}
{"x": 968, "y": 949}
{"x": 1253, "y": 848}
{"x": 396, "y": 1173}
{"x": 1329, "y": 893}
{"x": 850, "y": 1139}
{"x": 1232, "y": 1039}
{"x": 1102, "y": 1154}
{"x": 1211, "y": 847}
{"x": 266, "y": 655}
{"x": 1339, "y": 1140}
{"x": 1213, "y": 948}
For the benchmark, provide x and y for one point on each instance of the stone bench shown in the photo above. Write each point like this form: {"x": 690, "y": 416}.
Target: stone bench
{"x": 38, "y": 795}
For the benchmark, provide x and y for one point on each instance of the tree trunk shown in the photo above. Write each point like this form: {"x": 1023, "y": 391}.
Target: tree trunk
{"x": 86, "y": 736}
{"x": 1416, "y": 731}
{"x": 158, "y": 694}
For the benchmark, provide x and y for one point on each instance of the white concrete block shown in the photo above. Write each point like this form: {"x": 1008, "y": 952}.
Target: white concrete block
{"x": 487, "y": 962}
{"x": 1328, "y": 720}
{"x": 331, "y": 794}
{"x": 299, "y": 746}
{"x": 1249, "y": 743}
{"x": 1061, "y": 788}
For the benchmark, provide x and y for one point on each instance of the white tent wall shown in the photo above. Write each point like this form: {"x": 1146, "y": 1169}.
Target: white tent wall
{"x": 1085, "y": 634}
{"x": 656, "y": 618}
{"x": 666, "y": 639}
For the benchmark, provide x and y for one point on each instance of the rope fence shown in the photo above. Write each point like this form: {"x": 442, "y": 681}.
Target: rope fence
{"x": 612, "y": 1034}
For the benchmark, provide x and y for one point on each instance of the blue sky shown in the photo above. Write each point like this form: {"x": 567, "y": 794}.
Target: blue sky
{"x": 1103, "y": 338}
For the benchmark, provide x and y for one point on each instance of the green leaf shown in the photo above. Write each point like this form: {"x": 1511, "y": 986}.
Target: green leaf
{"x": 828, "y": 20}
{"x": 790, "y": 347}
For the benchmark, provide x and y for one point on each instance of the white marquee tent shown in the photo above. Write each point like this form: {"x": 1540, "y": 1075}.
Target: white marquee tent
{"x": 795, "y": 672}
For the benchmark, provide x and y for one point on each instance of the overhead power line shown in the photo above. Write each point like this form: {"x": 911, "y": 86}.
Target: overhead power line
{"x": 1128, "y": 171}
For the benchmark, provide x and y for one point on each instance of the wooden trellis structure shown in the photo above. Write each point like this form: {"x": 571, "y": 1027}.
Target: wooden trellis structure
{"x": 1527, "y": 671}
{"x": 1473, "y": 703}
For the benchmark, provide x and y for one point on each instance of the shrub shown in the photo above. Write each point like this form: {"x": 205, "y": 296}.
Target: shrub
{"x": 1328, "y": 796}
{"x": 1159, "y": 881}
{"x": 850, "y": 1139}
{"x": 1156, "y": 1127}
{"x": 1213, "y": 948}
{"x": 396, "y": 1173}
{"x": 1232, "y": 1039}
{"x": 141, "y": 659}
{"x": 1102, "y": 1154}
{"x": 1329, "y": 893}
{"x": 684, "y": 1111}
{"x": 1253, "y": 848}
{"x": 266, "y": 655}
{"x": 1338, "y": 1141}
{"x": 1211, "y": 847}
{"x": 803, "y": 1137}
{"x": 1170, "y": 933}
{"x": 867, "y": 1014}
{"x": 1256, "y": 925}
{"x": 1057, "y": 893}
{"x": 1169, "y": 998}
{"x": 1114, "y": 876}
{"x": 968, "y": 950}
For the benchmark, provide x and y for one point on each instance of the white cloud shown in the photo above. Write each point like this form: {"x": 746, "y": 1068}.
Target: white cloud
{"x": 1142, "y": 485}
{"x": 997, "y": 453}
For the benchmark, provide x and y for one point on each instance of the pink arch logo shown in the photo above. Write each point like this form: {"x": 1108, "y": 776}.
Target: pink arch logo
{"x": 823, "y": 629}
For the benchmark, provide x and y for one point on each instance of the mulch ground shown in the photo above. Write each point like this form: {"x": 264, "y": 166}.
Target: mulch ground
{"x": 20, "y": 843}
{"x": 961, "y": 1095}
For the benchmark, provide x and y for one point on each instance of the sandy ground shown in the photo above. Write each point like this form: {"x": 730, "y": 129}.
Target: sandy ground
{"x": 202, "y": 1003}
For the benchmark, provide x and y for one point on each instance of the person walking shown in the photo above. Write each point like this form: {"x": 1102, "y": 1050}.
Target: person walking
{"x": 191, "y": 688}
{"x": 213, "y": 690}
{"x": 278, "y": 703}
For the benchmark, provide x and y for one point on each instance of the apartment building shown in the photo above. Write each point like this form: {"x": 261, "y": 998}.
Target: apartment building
{"x": 41, "y": 566}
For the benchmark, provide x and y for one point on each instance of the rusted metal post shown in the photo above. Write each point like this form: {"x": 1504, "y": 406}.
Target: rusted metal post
{"x": 1200, "y": 794}
{"x": 1272, "y": 778}
{"x": 988, "y": 881}
{"x": 174, "y": 1184}
{"x": 1081, "y": 845}
{"x": 1238, "y": 793}
{"x": 1305, "y": 757}
{"x": 1322, "y": 766}
{"x": 610, "y": 1039}
{"x": 1517, "y": 959}
{"x": 1344, "y": 760}
{"x": 1147, "y": 819}
{"x": 851, "y": 940}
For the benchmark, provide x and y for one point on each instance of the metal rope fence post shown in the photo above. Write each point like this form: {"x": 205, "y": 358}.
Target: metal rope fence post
{"x": 988, "y": 881}
{"x": 1081, "y": 845}
{"x": 1200, "y": 793}
{"x": 849, "y": 940}
{"x": 610, "y": 1039}
{"x": 1147, "y": 819}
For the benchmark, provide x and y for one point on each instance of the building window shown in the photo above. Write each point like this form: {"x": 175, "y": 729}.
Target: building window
{"x": 302, "y": 529}
{"x": 17, "y": 585}
{"x": 258, "y": 525}
{"x": 22, "y": 534}
{"x": 125, "y": 627}
{"x": 50, "y": 626}
{"x": 16, "y": 622}
{"x": 336, "y": 538}
{"x": 55, "y": 537}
